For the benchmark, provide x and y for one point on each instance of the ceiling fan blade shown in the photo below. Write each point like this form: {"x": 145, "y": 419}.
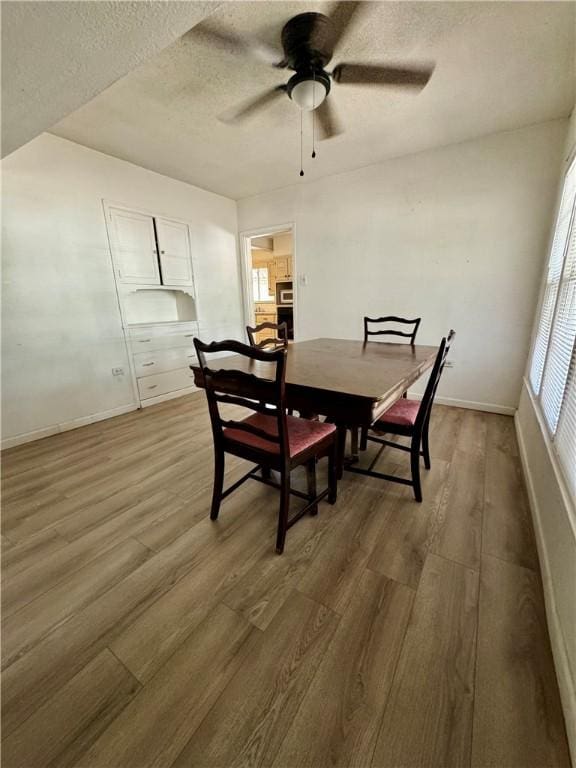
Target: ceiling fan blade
{"x": 251, "y": 46}
{"x": 341, "y": 17}
{"x": 246, "y": 109}
{"x": 375, "y": 74}
{"x": 328, "y": 121}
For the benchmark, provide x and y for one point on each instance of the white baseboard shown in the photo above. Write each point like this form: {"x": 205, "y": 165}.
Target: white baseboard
{"x": 566, "y": 683}
{"x": 505, "y": 410}
{"x": 54, "y": 429}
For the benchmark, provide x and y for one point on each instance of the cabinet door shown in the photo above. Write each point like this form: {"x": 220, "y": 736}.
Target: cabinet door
{"x": 134, "y": 247}
{"x": 283, "y": 268}
{"x": 271, "y": 278}
{"x": 174, "y": 252}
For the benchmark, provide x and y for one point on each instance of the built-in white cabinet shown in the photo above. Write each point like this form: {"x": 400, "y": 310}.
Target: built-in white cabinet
{"x": 149, "y": 250}
{"x": 155, "y": 281}
{"x": 134, "y": 247}
{"x": 174, "y": 246}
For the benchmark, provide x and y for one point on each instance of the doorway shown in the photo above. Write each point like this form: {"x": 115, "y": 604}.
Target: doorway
{"x": 269, "y": 277}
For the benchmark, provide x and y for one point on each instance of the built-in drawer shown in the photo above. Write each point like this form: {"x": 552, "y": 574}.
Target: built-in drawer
{"x": 160, "y": 360}
{"x": 146, "y": 342}
{"x": 162, "y": 383}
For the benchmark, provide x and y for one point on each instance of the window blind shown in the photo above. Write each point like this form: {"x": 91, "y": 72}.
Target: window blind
{"x": 553, "y": 363}
{"x": 561, "y": 344}
{"x": 565, "y": 214}
{"x": 563, "y": 358}
{"x": 566, "y": 436}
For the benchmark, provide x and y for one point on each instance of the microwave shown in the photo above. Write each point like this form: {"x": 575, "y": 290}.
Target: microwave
{"x": 286, "y": 296}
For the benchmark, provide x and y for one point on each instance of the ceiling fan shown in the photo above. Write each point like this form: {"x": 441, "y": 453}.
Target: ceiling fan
{"x": 308, "y": 43}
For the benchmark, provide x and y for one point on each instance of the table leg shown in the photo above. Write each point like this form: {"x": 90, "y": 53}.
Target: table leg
{"x": 341, "y": 450}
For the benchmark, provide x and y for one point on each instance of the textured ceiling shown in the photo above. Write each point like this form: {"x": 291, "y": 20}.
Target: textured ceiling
{"x": 58, "y": 55}
{"x": 499, "y": 66}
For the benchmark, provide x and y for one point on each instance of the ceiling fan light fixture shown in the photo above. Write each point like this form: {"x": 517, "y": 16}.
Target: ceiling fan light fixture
{"x": 309, "y": 90}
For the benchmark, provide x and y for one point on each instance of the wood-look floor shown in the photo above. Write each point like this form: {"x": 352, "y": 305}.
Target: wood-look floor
{"x": 137, "y": 633}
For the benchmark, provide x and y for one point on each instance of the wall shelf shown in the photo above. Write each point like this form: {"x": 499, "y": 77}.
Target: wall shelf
{"x": 150, "y": 306}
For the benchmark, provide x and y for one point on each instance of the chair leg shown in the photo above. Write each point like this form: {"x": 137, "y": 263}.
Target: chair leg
{"x": 311, "y": 481}
{"x": 218, "y": 482}
{"x": 341, "y": 451}
{"x": 364, "y": 438}
{"x": 425, "y": 444}
{"x": 333, "y": 474}
{"x": 283, "y": 513}
{"x": 266, "y": 473}
{"x": 415, "y": 465}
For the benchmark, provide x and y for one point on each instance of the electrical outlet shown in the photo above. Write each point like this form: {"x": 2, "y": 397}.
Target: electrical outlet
{"x": 117, "y": 371}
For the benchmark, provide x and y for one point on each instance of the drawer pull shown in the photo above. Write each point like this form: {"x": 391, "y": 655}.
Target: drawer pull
{"x": 144, "y": 341}
{"x": 188, "y": 335}
{"x": 145, "y": 365}
{"x": 152, "y": 386}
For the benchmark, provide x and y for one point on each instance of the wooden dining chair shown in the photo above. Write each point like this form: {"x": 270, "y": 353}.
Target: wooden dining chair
{"x": 268, "y": 437}
{"x": 385, "y": 327}
{"x": 411, "y": 418}
{"x": 277, "y": 340}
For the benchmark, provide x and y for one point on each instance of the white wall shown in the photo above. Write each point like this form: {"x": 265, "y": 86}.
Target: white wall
{"x": 61, "y": 327}
{"x": 554, "y": 514}
{"x": 454, "y": 235}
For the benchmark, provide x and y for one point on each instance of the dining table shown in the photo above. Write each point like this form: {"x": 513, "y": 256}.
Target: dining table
{"x": 351, "y": 383}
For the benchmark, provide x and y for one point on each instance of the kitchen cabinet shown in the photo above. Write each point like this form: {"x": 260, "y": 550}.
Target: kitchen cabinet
{"x": 173, "y": 243}
{"x": 264, "y": 313}
{"x": 271, "y": 278}
{"x": 134, "y": 247}
{"x": 283, "y": 268}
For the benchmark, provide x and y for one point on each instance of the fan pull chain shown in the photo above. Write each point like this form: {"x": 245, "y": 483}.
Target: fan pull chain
{"x": 314, "y": 117}
{"x": 301, "y": 150}
{"x": 313, "y": 133}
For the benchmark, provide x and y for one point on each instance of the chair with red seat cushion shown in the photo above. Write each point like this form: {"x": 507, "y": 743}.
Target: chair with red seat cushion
{"x": 410, "y": 418}
{"x": 387, "y": 326}
{"x": 403, "y": 413}
{"x": 254, "y": 379}
{"x": 302, "y": 434}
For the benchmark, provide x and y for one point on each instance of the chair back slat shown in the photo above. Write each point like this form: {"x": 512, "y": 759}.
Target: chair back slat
{"x": 279, "y": 340}
{"x": 244, "y": 385}
{"x": 391, "y": 319}
{"x": 269, "y": 410}
{"x": 230, "y": 386}
{"x": 434, "y": 379}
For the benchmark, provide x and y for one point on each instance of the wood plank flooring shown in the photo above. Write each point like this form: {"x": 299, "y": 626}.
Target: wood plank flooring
{"x": 136, "y": 633}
